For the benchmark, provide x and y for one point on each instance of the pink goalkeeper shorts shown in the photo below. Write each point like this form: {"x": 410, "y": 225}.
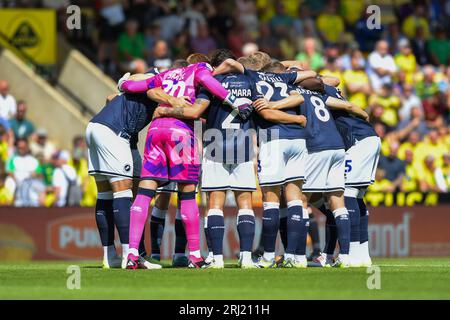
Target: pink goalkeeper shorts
{"x": 171, "y": 154}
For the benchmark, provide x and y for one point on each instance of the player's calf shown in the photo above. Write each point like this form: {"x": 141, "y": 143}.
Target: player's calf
{"x": 157, "y": 223}
{"x": 216, "y": 230}
{"x": 179, "y": 259}
{"x": 190, "y": 216}
{"x": 364, "y": 231}
{"x": 138, "y": 219}
{"x": 341, "y": 217}
{"x": 104, "y": 217}
{"x": 246, "y": 231}
{"x": 351, "y": 203}
{"x": 122, "y": 199}
{"x": 270, "y": 227}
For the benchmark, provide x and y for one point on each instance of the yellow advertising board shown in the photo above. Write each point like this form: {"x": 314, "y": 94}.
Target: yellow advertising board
{"x": 32, "y": 31}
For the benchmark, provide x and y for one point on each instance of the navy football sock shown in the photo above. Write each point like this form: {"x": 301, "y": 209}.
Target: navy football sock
{"x": 283, "y": 227}
{"x": 270, "y": 225}
{"x": 207, "y": 235}
{"x": 121, "y": 204}
{"x": 180, "y": 237}
{"x": 313, "y": 231}
{"x": 363, "y": 221}
{"x": 294, "y": 225}
{"x": 246, "y": 229}
{"x": 156, "y": 233}
{"x": 216, "y": 230}
{"x": 301, "y": 247}
{"x": 330, "y": 231}
{"x": 342, "y": 219}
{"x": 104, "y": 217}
{"x": 352, "y": 206}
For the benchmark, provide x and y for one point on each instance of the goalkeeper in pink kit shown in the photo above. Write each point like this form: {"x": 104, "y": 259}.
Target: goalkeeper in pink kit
{"x": 171, "y": 153}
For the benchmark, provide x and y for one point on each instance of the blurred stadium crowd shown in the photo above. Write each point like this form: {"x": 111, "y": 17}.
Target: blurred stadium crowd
{"x": 400, "y": 73}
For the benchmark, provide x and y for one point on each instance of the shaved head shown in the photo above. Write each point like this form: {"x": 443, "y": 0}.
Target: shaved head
{"x": 4, "y": 87}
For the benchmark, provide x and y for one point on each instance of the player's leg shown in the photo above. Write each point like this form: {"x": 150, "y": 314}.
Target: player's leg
{"x": 122, "y": 199}
{"x": 366, "y": 261}
{"x": 297, "y": 214}
{"x": 157, "y": 223}
{"x": 162, "y": 203}
{"x": 242, "y": 181}
{"x": 142, "y": 250}
{"x": 153, "y": 172}
{"x": 313, "y": 231}
{"x": 210, "y": 257}
{"x": 271, "y": 174}
{"x": 351, "y": 203}
{"x": 180, "y": 259}
{"x": 191, "y": 221}
{"x": 138, "y": 219}
{"x": 216, "y": 226}
{"x": 104, "y": 217}
{"x": 283, "y": 219}
{"x": 245, "y": 227}
{"x": 110, "y": 161}
{"x": 297, "y": 226}
{"x": 270, "y": 224}
{"x": 325, "y": 259}
{"x": 341, "y": 216}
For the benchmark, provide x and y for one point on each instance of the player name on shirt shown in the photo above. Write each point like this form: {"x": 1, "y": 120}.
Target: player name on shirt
{"x": 228, "y": 138}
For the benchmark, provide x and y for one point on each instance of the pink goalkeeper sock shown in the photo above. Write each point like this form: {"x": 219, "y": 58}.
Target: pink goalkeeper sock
{"x": 190, "y": 216}
{"x": 138, "y": 219}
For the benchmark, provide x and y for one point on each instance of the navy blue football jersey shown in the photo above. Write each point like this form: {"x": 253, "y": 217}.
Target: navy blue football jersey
{"x": 274, "y": 87}
{"x": 350, "y": 127}
{"x": 321, "y": 126}
{"x": 236, "y": 144}
{"x": 127, "y": 114}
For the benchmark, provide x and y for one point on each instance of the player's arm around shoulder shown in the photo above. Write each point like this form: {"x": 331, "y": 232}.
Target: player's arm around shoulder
{"x": 294, "y": 100}
{"x": 160, "y": 96}
{"x": 331, "y": 81}
{"x": 305, "y": 74}
{"x": 192, "y": 112}
{"x": 278, "y": 116}
{"x": 229, "y": 66}
{"x": 338, "y": 104}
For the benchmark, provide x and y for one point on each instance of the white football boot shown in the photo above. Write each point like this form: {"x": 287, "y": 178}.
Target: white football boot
{"x": 354, "y": 255}
{"x": 365, "y": 259}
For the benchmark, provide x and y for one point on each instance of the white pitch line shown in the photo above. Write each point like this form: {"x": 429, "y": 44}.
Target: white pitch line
{"x": 415, "y": 265}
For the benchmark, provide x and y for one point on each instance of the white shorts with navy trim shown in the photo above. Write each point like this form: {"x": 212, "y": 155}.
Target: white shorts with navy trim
{"x": 109, "y": 154}
{"x": 281, "y": 161}
{"x": 361, "y": 162}
{"x": 221, "y": 176}
{"x": 325, "y": 171}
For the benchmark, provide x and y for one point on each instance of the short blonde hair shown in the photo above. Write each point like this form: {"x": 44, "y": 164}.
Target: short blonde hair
{"x": 262, "y": 59}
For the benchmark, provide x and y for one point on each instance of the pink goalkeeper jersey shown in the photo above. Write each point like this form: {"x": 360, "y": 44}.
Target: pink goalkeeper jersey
{"x": 179, "y": 82}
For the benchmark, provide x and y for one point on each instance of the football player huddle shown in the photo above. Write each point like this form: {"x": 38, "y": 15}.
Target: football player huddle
{"x": 313, "y": 148}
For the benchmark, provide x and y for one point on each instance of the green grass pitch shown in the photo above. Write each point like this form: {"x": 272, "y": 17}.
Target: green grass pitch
{"x": 423, "y": 278}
